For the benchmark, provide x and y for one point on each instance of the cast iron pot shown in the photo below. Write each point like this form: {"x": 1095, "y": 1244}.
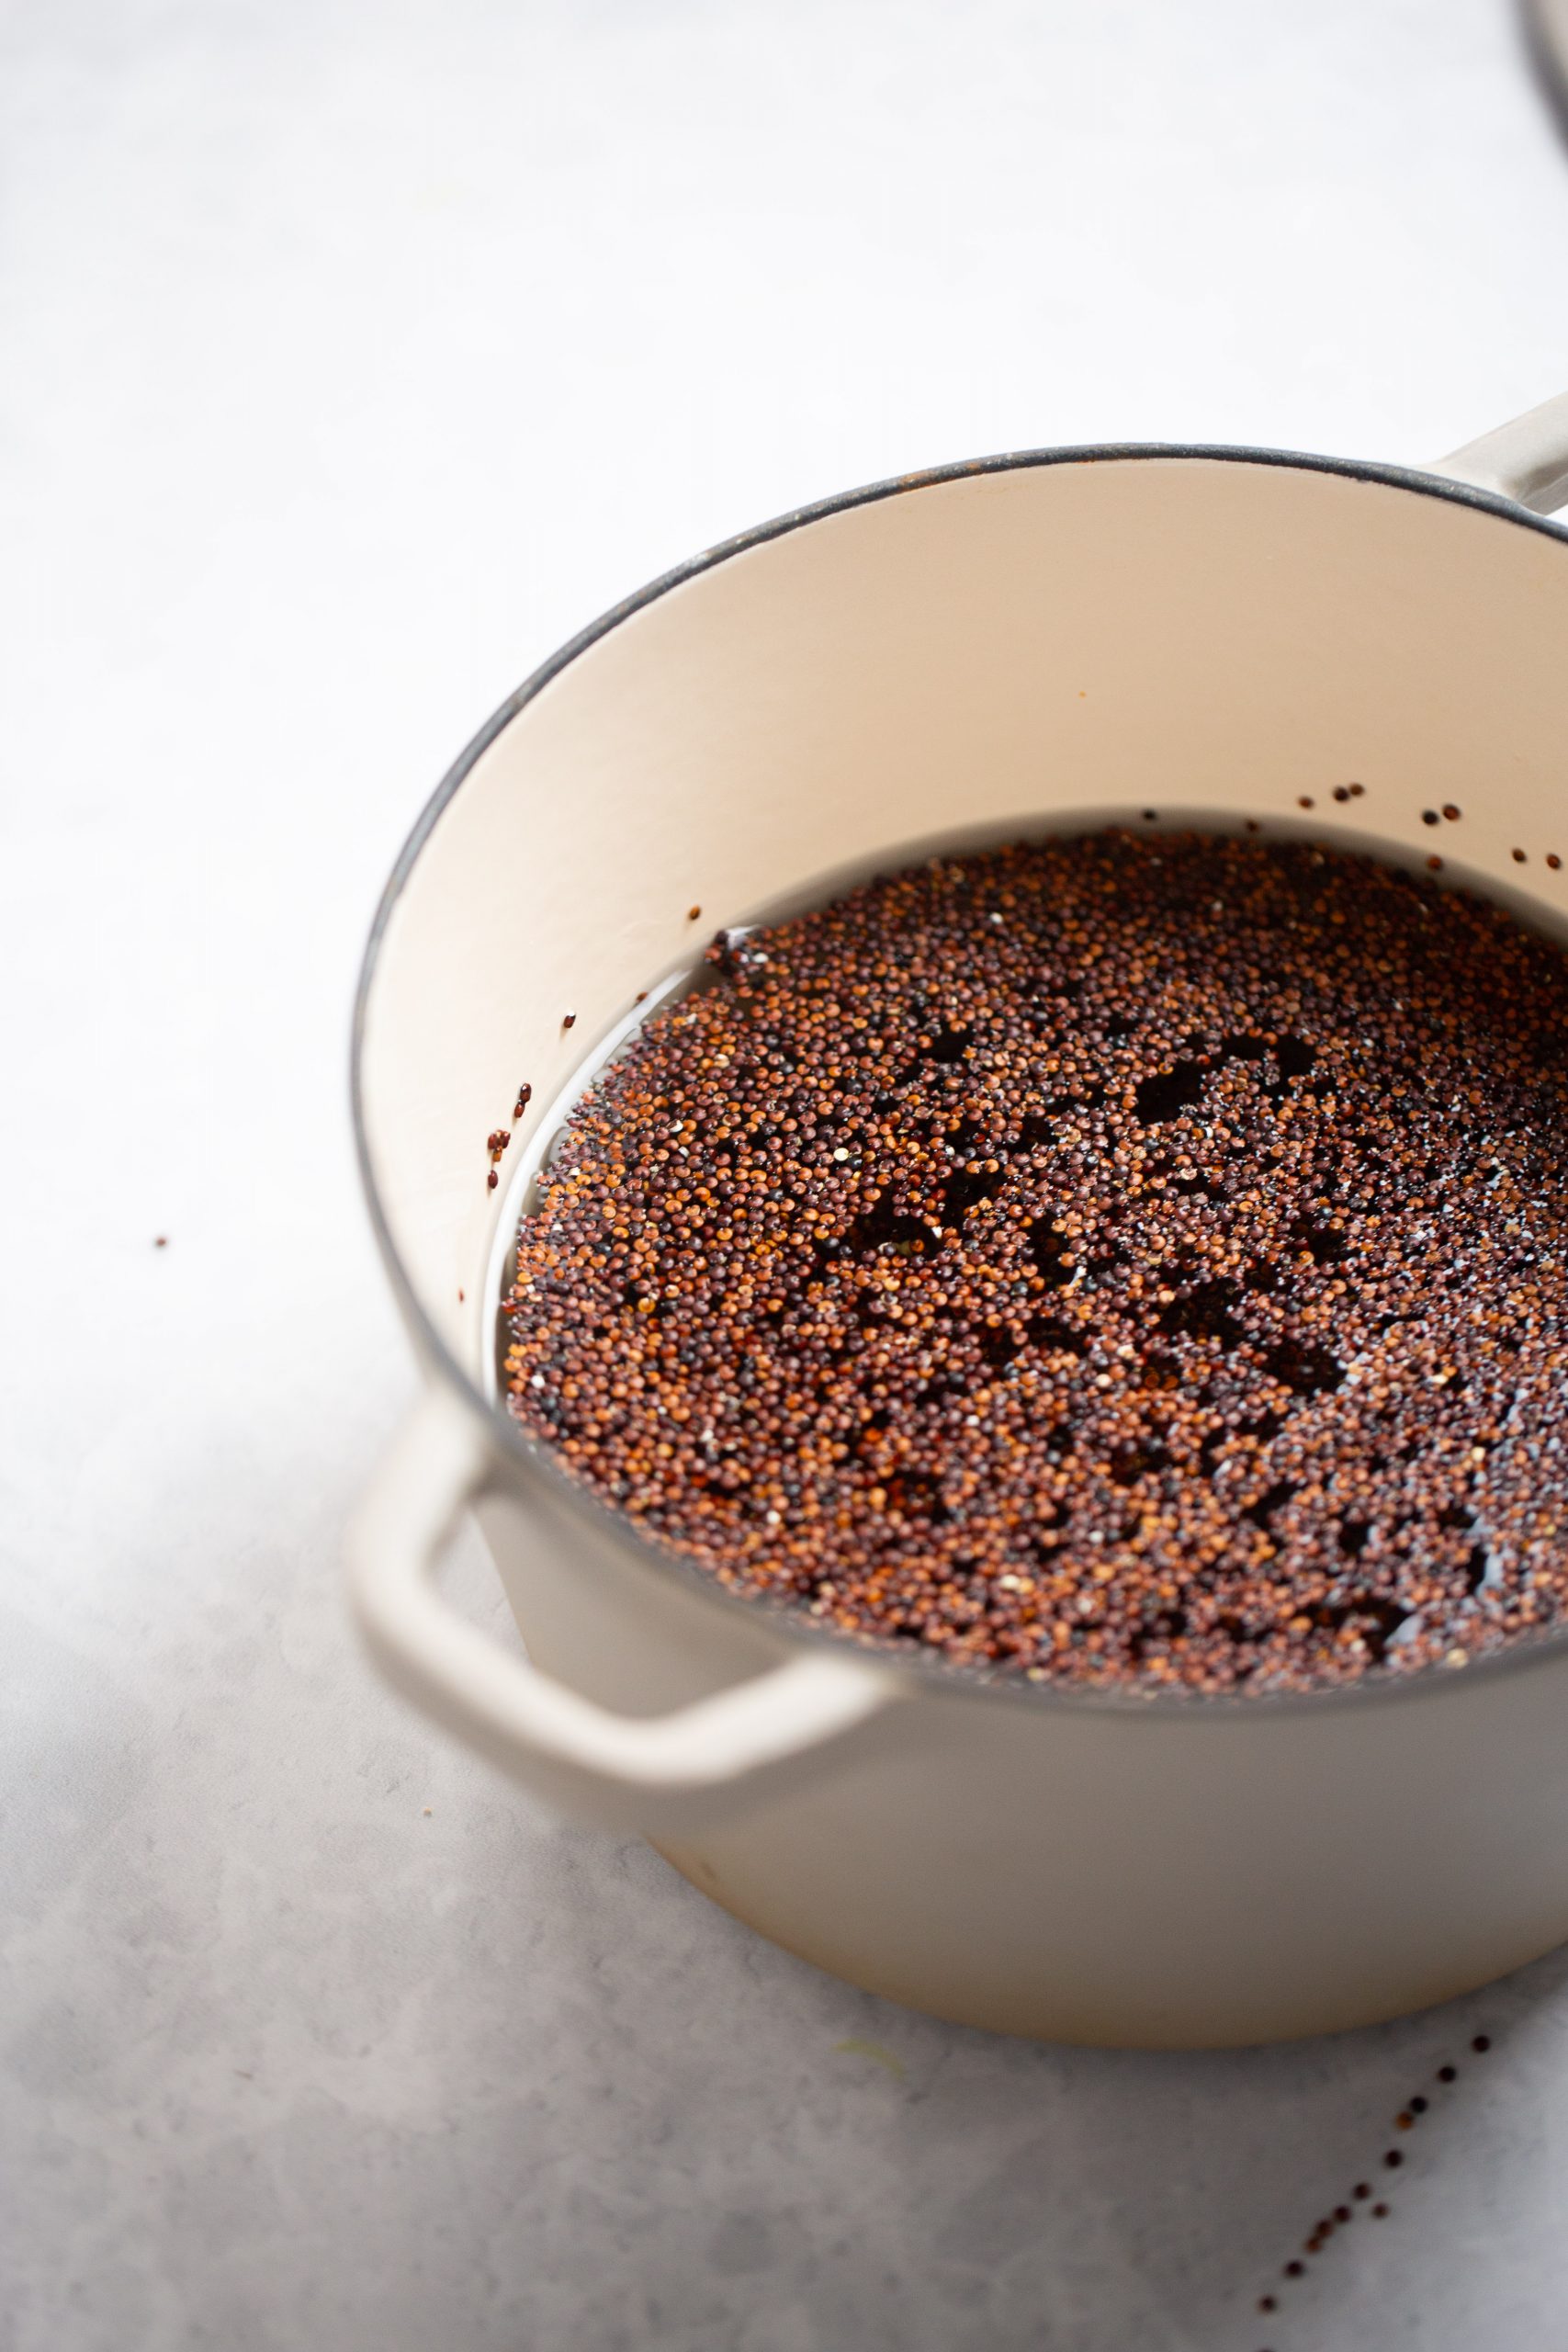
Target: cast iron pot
{"x": 1057, "y": 638}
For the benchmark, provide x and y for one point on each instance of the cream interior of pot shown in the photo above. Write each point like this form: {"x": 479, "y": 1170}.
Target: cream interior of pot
{"x": 1075, "y": 642}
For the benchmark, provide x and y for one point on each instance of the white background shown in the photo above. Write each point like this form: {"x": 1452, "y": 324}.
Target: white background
{"x": 353, "y": 357}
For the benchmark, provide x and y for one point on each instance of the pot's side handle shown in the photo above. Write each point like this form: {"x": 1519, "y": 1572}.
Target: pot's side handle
{"x": 647, "y": 1773}
{"x": 1526, "y": 459}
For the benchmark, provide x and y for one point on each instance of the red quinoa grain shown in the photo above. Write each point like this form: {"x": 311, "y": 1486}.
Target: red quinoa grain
{"x": 1134, "y": 1258}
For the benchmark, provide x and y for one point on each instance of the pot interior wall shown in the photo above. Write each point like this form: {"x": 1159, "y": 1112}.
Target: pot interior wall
{"x": 1076, "y": 641}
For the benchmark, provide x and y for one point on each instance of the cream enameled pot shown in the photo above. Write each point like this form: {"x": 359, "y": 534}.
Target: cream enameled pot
{"x": 1055, "y": 640}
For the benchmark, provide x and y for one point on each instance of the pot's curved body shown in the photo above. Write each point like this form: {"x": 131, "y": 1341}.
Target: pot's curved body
{"x": 1066, "y": 639}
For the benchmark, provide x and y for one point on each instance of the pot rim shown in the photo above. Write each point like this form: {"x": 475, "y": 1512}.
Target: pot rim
{"x": 958, "y": 1678}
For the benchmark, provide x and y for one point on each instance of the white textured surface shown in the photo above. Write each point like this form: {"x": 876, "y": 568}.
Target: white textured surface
{"x": 354, "y": 357}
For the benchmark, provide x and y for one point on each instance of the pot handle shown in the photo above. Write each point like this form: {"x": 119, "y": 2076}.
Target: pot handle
{"x": 1526, "y": 459}
{"x": 647, "y": 1773}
